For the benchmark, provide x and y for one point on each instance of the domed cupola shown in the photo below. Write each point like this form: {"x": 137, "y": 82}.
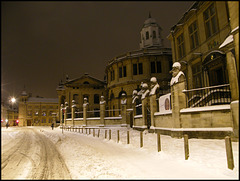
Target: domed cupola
{"x": 151, "y": 34}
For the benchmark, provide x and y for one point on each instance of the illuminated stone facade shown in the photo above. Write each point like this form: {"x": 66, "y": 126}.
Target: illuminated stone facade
{"x": 126, "y": 72}
{"x": 37, "y": 111}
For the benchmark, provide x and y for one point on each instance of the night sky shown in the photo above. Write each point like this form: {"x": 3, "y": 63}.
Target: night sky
{"x": 42, "y": 41}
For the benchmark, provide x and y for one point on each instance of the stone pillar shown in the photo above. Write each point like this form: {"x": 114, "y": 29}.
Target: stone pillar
{"x": 144, "y": 112}
{"x": 178, "y": 98}
{"x": 102, "y": 111}
{"x": 85, "y": 107}
{"x": 153, "y": 109}
{"x": 65, "y": 113}
{"x": 124, "y": 110}
{"x": 232, "y": 74}
{"x": 61, "y": 115}
{"x": 178, "y": 102}
{"x": 234, "y": 86}
{"x": 73, "y": 112}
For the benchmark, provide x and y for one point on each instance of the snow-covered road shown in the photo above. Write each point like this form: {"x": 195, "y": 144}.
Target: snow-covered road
{"x": 42, "y": 153}
{"x": 31, "y": 155}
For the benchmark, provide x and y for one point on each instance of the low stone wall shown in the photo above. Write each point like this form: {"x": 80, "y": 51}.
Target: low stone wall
{"x": 163, "y": 120}
{"x": 113, "y": 121}
{"x": 206, "y": 117}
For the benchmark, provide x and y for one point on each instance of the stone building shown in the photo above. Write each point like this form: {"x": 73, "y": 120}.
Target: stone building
{"x": 206, "y": 43}
{"x": 37, "y": 111}
{"x": 78, "y": 89}
{"x": 126, "y": 72}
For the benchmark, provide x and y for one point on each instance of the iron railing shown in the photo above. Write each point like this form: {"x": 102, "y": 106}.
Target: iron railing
{"x": 208, "y": 96}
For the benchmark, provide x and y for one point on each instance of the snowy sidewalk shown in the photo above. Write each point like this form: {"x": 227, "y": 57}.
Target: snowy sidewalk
{"x": 89, "y": 157}
{"x": 92, "y": 157}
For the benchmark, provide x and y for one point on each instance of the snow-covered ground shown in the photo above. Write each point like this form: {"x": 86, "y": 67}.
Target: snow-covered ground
{"x": 89, "y": 157}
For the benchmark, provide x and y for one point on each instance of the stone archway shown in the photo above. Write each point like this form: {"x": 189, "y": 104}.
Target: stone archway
{"x": 214, "y": 68}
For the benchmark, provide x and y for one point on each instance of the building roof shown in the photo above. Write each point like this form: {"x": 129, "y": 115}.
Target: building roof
{"x": 43, "y": 100}
{"x": 142, "y": 52}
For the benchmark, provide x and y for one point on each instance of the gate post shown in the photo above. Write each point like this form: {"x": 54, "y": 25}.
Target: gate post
{"x": 73, "y": 112}
{"x": 124, "y": 110}
{"x": 85, "y": 107}
{"x": 102, "y": 111}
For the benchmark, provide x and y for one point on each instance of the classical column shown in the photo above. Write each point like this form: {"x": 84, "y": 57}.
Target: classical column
{"x": 73, "y": 112}
{"x": 102, "y": 111}
{"x": 124, "y": 110}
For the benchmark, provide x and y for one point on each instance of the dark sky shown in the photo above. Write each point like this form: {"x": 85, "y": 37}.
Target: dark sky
{"x": 42, "y": 41}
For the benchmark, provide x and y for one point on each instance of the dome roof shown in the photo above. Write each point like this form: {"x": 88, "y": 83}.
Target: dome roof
{"x": 150, "y": 21}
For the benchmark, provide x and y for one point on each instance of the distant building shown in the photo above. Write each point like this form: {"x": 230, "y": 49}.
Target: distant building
{"x": 37, "y": 111}
{"x": 9, "y": 114}
{"x": 80, "y": 88}
{"x": 125, "y": 72}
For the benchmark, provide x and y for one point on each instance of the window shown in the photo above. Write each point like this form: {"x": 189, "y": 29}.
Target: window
{"x": 44, "y": 113}
{"x": 140, "y": 68}
{"x": 112, "y": 75}
{"x": 137, "y": 68}
{"x": 76, "y": 98}
{"x": 193, "y": 33}
{"x": 154, "y": 34}
{"x": 86, "y": 96}
{"x": 156, "y": 67}
{"x": 147, "y": 35}
{"x": 180, "y": 44}
{"x": 196, "y": 70}
{"x": 86, "y": 82}
{"x": 210, "y": 21}
{"x": 96, "y": 99}
{"x": 122, "y": 72}
{"x": 36, "y": 113}
{"x": 29, "y": 113}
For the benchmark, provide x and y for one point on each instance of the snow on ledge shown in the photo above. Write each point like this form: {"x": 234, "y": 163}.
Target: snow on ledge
{"x": 138, "y": 116}
{"x": 228, "y": 40}
{"x": 139, "y": 126}
{"x": 78, "y": 119}
{"x": 196, "y": 129}
{"x": 206, "y": 108}
{"x": 113, "y": 118}
{"x": 162, "y": 113}
{"x": 93, "y": 118}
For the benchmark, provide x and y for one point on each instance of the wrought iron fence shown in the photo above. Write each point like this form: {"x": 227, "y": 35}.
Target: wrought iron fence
{"x": 208, "y": 96}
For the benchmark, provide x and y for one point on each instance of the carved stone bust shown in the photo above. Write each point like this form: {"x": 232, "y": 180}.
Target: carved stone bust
{"x": 177, "y": 74}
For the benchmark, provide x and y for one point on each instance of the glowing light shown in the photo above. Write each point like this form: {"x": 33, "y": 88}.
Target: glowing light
{"x": 13, "y": 99}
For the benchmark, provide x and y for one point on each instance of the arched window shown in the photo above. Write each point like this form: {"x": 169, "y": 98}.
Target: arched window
{"x": 111, "y": 96}
{"x": 120, "y": 93}
{"x": 96, "y": 99}
{"x": 154, "y": 34}
{"x": 147, "y": 35}
{"x": 86, "y": 82}
{"x": 76, "y": 98}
